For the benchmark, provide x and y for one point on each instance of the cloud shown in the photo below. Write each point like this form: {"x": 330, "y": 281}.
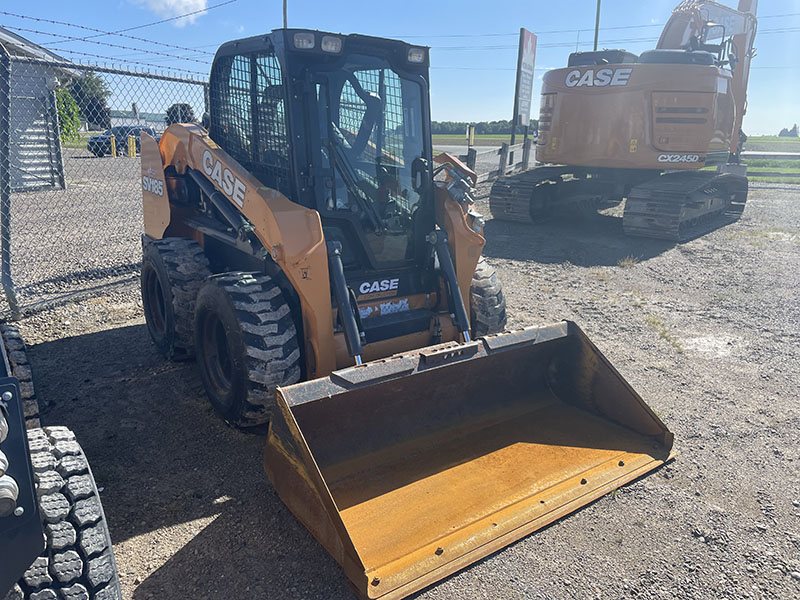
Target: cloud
{"x": 173, "y": 8}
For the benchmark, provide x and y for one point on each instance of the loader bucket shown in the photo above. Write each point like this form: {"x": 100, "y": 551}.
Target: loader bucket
{"x": 410, "y": 468}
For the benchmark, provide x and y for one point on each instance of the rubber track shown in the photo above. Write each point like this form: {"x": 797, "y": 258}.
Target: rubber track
{"x": 78, "y": 561}
{"x": 273, "y": 353}
{"x": 187, "y": 269}
{"x": 487, "y": 302}
{"x": 662, "y": 208}
{"x": 21, "y": 369}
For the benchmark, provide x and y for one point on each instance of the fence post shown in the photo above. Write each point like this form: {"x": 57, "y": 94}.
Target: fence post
{"x": 503, "y": 159}
{"x": 5, "y": 183}
{"x": 526, "y": 154}
{"x": 472, "y": 158}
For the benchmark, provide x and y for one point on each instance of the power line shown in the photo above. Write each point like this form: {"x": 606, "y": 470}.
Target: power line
{"x": 557, "y": 31}
{"x": 110, "y": 45}
{"x": 183, "y": 16}
{"x": 516, "y": 34}
{"x": 71, "y": 39}
{"x": 555, "y": 45}
{"x": 120, "y": 32}
{"x": 570, "y": 44}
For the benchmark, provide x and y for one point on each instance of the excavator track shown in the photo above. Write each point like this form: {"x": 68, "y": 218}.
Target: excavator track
{"x": 511, "y": 196}
{"x": 543, "y": 192}
{"x": 680, "y": 206}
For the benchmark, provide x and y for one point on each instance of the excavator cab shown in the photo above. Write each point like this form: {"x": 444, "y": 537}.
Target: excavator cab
{"x": 330, "y": 275}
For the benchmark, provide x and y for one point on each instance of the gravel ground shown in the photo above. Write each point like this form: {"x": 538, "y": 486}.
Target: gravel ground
{"x": 64, "y": 241}
{"x": 708, "y": 332}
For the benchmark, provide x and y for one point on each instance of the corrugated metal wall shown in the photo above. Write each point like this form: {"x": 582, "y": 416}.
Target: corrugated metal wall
{"x": 34, "y": 147}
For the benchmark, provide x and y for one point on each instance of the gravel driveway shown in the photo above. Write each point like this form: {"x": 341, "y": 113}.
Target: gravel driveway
{"x": 708, "y": 332}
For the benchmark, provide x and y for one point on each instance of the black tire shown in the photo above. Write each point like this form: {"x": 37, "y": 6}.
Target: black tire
{"x": 486, "y": 300}
{"x": 21, "y": 369}
{"x": 78, "y": 560}
{"x": 173, "y": 269}
{"x": 246, "y": 345}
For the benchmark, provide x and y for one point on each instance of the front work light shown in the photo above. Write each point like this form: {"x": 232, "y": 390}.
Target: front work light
{"x": 416, "y": 55}
{"x": 331, "y": 43}
{"x": 304, "y": 41}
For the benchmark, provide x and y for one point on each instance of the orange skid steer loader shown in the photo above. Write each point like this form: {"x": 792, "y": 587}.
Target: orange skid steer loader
{"x": 326, "y": 273}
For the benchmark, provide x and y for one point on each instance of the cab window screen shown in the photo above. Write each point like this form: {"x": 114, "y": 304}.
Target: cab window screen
{"x": 248, "y": 116}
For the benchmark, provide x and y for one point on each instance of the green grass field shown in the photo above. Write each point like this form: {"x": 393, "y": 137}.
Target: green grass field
{"x": 773, "y": 138}
{"x": 480, "y": 140}
{"x": 80, "y": 142}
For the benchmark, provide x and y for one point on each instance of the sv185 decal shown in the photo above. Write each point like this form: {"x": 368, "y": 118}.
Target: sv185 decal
{"x": 152, "y": 185}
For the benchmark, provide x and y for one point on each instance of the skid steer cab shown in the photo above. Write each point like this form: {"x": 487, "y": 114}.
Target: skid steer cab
{"x": 326, "y": 273}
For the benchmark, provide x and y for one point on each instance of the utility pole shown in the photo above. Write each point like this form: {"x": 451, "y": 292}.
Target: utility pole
{"x": 596, "y": 25}
{"x": 286, "y": 16}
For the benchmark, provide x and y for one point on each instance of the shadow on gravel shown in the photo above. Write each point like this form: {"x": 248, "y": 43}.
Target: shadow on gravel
{"x": 173, "y": 472}
{"x": 586, "y": 240}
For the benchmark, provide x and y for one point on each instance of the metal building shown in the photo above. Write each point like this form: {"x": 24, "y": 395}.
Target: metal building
{"x": 35, "y": 158}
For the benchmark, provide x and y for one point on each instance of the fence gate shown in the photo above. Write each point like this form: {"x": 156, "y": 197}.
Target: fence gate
{"x": 70, "y": 209}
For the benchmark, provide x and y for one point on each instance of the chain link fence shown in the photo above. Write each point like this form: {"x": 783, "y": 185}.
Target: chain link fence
{"x": 70, "y": 178}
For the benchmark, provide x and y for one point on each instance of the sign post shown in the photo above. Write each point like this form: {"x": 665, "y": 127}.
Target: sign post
{"x": 526, "y": 58}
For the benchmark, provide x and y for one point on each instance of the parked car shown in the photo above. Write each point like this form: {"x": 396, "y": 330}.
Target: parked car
{"x": 100, "y": 144}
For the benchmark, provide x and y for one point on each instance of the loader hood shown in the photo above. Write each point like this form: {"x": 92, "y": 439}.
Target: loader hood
{"x": 410, "y": 468}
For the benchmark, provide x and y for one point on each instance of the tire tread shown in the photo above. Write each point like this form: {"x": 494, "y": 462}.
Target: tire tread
{"x": 78, "y": 561}
{"x": 487, "y": 301}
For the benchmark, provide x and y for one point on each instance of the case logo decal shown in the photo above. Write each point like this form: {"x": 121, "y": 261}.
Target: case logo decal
{"x": 230, "y": 185}
{"x": 599, "y": 78}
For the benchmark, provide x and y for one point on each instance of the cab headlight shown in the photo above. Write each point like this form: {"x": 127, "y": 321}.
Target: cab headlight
{"x": 416, "y": 55}
{"x": 331, "y": 43}
{"x": 304, "y": 40}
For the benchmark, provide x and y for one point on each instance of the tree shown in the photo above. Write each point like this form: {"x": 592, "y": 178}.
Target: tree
{"x": 481, "y": 128}
{"x": 91, "y": 93}
{"x": 793, "y": 131}
{"x": 69, "y": 120}
{"x": 180, "y": 113}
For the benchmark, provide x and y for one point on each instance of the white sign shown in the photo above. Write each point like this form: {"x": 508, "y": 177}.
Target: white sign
{"x": 525, "y": 61}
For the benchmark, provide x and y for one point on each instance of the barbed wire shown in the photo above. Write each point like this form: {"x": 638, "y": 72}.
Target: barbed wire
{"x": 132, "y": 37}
{"x": 133, "y": 62}
{"x": 110, "y": 45}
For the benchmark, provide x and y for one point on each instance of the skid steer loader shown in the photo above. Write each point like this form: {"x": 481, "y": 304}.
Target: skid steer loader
{"x": 307, "y": 249}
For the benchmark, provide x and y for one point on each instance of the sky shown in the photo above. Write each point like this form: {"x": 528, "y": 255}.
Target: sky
{"x": 473, "y": 43}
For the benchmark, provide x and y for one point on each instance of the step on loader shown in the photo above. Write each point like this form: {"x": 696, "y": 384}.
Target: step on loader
{"x": 326, "y": 273}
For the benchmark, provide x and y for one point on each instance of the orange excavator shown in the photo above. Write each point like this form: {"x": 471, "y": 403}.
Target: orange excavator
{"x": 646, "y": 128}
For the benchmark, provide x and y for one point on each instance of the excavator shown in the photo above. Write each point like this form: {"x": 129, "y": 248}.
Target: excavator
{"x": 646, "y": 128}
{"x": 325, "y": 272}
